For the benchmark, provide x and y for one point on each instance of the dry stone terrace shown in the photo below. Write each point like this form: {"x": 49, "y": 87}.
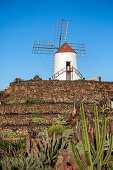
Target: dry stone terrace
{"x": 56, "y": 91}
{"x": 48, "y": 98}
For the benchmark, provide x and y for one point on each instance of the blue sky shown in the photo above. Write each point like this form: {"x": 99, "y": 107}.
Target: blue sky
{"x": 23, "y": 22}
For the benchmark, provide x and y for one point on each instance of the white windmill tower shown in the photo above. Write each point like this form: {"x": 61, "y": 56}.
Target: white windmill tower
{"x": 65, "y": 58}
{"x": 65, "y": 67}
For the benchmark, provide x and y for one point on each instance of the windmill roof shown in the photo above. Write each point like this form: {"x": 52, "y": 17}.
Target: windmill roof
{"x": 65, "y": 48}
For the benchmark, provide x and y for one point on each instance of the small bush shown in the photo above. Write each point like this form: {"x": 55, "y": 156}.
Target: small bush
{"x": 60, "y": 120}
{"x": 36, "y": 77}
{"x": 36, "y": 112}
{"x": 12, "y": 102}
{"x": 22, "y": 101}
{"x": 34, "y": 100}
{"x": 65, "y": 111}
{"x": 17, "y": 80}
{"x": 40, "y": 121}
{"x": 57, "y": 129}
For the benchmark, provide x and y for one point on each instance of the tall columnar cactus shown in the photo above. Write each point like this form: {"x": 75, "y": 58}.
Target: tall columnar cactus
{"x": 93, "y": 155}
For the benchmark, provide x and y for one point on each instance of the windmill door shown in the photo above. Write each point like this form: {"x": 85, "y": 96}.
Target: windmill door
{"x": 112, "y": 103}
{"x": 68, "y": 71}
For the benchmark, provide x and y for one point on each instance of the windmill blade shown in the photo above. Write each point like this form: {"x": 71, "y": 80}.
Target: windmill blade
{"x": 78, "y": 48}
{"x": 43, "y": 47}
{"x": 60, "y": 32}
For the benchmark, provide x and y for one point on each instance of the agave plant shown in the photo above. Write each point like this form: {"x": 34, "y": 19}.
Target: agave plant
{"x": 14, "y": 148}
{"x": 31, "y": 162}
{"x": 46, "y": 148}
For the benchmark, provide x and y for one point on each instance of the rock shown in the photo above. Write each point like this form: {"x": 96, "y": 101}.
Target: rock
{"x": 111, "y": 89}
{"x": 66, "y": 161}
{"x": 9, "y": 90}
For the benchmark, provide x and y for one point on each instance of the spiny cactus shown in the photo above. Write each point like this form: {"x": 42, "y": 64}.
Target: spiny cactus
{"x": 93, "y": 156}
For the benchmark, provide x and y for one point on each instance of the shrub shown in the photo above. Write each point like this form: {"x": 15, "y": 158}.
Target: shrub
{"x": 36, "y": 77}
{"x": 22, "y": 101}
{"x": 12, "y": 102}
{"x": 57, "y": 129}
{"x": 34, "y": 100}
{"x": 60, "y": 120}
{"x": 40, "y": 121}
{"x": 17, "y": 80}
{"x": 36, "y": 112}
{"x": 65, "y": 111}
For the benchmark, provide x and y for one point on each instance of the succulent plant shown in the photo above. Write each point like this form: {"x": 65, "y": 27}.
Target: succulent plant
{"x": 31, "y": 162}
{"x": 93, "y": 155}
{"x": 46, "y": 148}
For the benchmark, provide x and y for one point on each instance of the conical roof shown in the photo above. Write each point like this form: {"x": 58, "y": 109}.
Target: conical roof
{"x": 65, "y": 48}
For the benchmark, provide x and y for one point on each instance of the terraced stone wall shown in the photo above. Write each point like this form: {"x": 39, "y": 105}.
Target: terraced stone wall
{"x": 56, "y": 91}
{"x": 48, "y": 97}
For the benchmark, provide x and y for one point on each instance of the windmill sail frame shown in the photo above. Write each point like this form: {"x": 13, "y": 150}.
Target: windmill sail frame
{"x": 43, "y": 47}
{"x": 60, "y": 36}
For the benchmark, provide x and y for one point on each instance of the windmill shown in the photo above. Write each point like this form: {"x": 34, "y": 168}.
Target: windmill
{"x": 64, "y": 54}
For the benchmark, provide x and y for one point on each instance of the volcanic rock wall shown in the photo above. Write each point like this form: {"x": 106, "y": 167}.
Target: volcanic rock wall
{"x": 56, "y": 91}
{"x": 48, "y": 98}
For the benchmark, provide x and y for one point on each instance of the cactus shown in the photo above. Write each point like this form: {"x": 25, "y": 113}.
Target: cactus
{"x": 93, "y": 156}
{"x": 76, "y": 156}
{"x": 109, "y": 166}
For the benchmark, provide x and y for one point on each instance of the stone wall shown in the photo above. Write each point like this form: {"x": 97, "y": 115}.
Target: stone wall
{"x": 56, "y": 91}
{"x": 42, "y": 108}
{"x": 51, "y": 97}
{"x": 39, "y": 107}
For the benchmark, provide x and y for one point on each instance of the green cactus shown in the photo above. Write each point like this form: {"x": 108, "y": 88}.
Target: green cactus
{"x": 85, "y": 137}
{"x": 93, "y": 156}
{"x": 77, "y": 157}
{"x": 109, "y": 165}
